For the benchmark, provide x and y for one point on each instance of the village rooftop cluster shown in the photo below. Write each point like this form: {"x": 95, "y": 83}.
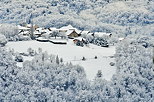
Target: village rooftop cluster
{"x": 58, "y": 35}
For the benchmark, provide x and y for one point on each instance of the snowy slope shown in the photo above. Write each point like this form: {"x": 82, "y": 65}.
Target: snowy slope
{"x": 91, "y": 15}
{"x": 74, "y": 54}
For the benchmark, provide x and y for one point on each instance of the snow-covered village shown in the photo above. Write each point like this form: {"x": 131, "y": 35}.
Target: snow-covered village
{"x": 76, "y": 51}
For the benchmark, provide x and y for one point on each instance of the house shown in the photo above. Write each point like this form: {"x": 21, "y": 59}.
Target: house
{"x": 72, "y": 34}
{"x": 37, "y": 34}
{"x": 70, "y": 31}
{"x": 69, "y": 27}
{"x": 53, "y": 29}
{"x": 39, "y": 29}
{"x": 56, "y": 41}
{"x": 43, "y": 30}
{"x": 79, "y": 39}
{"x": 23, "y": 30}
{"x": 66, "y": 28}
{"x": 24, "y": 33}
{"x": 42, "y": 39}
{"x": 30, "y": 25}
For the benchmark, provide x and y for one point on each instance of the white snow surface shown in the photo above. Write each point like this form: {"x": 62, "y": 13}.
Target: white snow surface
{"x": 74, "y": 54}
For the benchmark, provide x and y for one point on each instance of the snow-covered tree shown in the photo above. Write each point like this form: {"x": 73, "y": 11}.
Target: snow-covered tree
{"x": 134, "y": 78}
{"x": 3, "y": 40}
{"x": 9, "y": 31}
{"x": 57, "y": 60}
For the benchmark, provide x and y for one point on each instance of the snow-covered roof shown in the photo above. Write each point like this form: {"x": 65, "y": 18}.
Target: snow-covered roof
{"x": 23, "y": 28}
{"x": 45, "y": 31}
{"x": 69, "y": 32}
{"x": 120, "y": 39}
{"x": 100, "y": 34}
{"x": 39, "y": 29}
{"x": 85, "y": 32}
{"x": 24, "y": 32}
{"x": 58, "y": 40}
{"x": 78, "y": 31}
{"x": 42, "y": 30}
{"x": 41, "y": 39}
{"x": 90, "y": 33}
{"x": 69, "y": 27}
{"x": 48, "y": 32}
{"x": 53, "y": 29}
{"x": 30, "y": 25}
{"x": 80, "y": 38}
{"x": 37, "y": 33}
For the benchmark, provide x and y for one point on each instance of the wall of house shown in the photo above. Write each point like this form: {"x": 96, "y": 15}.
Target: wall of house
{"x": 73, "y": 34}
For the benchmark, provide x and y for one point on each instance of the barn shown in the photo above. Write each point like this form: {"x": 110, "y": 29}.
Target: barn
{"x": 72, "y": 34}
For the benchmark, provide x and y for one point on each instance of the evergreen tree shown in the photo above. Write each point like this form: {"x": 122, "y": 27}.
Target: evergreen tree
{"x": 57, "y": 60}
{"x": 99, "y": 74}
{"x": 61, "y": 60}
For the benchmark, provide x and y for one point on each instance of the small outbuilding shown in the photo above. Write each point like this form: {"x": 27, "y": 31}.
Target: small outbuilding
{"x": 42, "y": 39}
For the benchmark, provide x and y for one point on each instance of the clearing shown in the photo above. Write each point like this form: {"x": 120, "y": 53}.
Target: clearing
{"x": 74, "y": 54}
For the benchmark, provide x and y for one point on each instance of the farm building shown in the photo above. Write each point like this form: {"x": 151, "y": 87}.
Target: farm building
{"x": 24, "y": 31}
{"x": 58, "y": 40}
{"x": 37, "y": 34}
{"x": 69, "y": 28}
{"x": 79, "y": 39}
{"x": 43, "y": 31}
{"x": 23, "y": 28}
{"x": 39, "y": 29}
{"x": 66, "y": 28}
{"x": 72, "y": 34}
{"x": 30, "y": 25}
{"x": 42, "y": 39}
{"x": 52, "y": 29}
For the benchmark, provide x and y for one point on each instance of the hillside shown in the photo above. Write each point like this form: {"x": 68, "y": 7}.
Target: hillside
{"x": 76, "y": 50}
{"x": 94, "y": 15}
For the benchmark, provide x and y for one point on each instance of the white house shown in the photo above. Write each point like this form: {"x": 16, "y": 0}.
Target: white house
{"x": 72, "y": 33}
{"x": 69, "y": 27}
{"x": 23, "y": 30}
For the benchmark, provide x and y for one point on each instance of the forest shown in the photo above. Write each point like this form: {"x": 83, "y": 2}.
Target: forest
{"x": 117, "y": 16}
{"x": 46, "y": 78}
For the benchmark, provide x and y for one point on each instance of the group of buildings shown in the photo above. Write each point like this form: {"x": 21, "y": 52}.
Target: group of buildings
{"x": 68, "y": 31}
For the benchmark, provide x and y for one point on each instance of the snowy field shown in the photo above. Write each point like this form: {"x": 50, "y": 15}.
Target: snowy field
{"x": 74, "y": 54}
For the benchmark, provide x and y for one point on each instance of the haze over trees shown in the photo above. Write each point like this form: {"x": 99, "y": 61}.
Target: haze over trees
{"x": 46, "y": 78}
{"x": 117, "y": 16}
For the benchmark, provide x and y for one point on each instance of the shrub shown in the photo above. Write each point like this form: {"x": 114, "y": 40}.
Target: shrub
{"x": 112, "y": 63}
{"x": 19, "y": 58}
{"x": 83, "y": 59}
{"x": 3, "y": 40}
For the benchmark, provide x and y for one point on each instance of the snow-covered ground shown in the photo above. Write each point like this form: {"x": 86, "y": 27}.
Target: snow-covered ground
{"x": 74, "y": 54}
